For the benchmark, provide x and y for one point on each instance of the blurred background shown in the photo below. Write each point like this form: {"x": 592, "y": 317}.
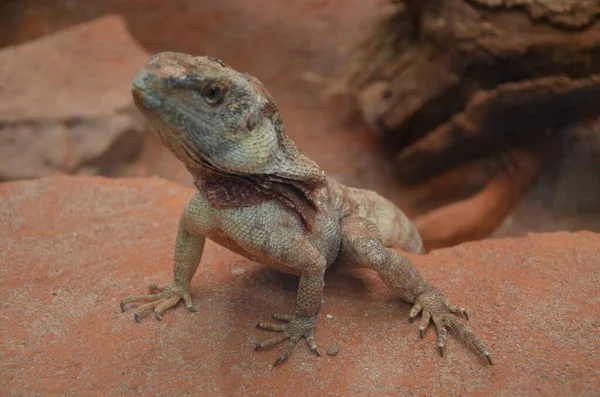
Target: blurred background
{"x": 478, "y": 118}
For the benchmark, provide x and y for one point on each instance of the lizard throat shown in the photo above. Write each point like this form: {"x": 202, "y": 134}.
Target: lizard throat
{"x": 233, "y": 191}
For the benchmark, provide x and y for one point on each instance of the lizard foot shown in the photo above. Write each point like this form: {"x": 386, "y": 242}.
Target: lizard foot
{"x": 297, "y": 327}
{"x": 434, "y": 306}
{"x": 161, "y": 298}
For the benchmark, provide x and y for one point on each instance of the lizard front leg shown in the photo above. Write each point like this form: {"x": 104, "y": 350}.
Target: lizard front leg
{"x": 188, "y": 252}
{"x": 361, "y": 247}
{"x": 301, "y": 323}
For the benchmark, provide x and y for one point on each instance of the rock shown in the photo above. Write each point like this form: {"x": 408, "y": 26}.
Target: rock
{"x": 73, "y": 246}
{"x": 479, "y": 122}
{"x": 65, "y": 102}
{"x": 433, "y": 65}
{"x": 80, "y": 72}
{"x": 457, "y": 87}
{"x": 333, "y": 350}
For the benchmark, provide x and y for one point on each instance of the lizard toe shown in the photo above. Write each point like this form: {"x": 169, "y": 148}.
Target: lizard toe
{"x": 158, "y": 303}
{"x": 433, "y": 306}
{"x": 296, "y": 328}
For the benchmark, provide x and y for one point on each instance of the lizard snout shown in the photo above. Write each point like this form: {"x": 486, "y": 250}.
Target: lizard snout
{"x": 142, "y": 94}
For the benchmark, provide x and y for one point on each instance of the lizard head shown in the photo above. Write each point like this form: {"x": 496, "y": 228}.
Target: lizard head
{"x": 210, "y": 115}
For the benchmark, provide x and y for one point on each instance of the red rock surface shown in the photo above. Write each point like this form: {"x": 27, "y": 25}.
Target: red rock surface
{"x": 65, "y": 102}
{"x": 73, "y": 246}
{"x": 83, "y": 71}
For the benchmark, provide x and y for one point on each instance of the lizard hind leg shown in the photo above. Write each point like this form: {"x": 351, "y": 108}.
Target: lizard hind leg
{"x": 362, "y": 247}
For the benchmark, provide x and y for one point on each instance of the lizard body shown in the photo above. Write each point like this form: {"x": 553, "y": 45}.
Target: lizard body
{"x": 259, "y": 196}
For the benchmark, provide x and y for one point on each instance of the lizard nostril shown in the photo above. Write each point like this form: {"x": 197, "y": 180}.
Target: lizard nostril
{"x": 142, "y": 79}
{"x": 142, "y": 92}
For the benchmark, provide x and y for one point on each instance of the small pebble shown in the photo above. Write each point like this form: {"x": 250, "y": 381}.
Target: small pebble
{"x": 238, "y": 271}
{"x": 329, "y": 316}
{"x": 333, "y": 350}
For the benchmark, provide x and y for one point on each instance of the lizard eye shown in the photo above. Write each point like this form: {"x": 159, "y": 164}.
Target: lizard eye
{"x": 213, "y": 93}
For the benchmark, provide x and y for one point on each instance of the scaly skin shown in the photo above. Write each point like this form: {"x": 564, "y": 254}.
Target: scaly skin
{"x": 260, "y": 197}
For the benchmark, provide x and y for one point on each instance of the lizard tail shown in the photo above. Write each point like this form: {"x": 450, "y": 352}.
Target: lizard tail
{"x": 397, "y": 231}
{"x": 415, "y": 242}
{"x": 405, "y": 235}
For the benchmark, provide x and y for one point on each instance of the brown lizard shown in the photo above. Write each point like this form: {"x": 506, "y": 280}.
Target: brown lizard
{"x": 259, "y": 196}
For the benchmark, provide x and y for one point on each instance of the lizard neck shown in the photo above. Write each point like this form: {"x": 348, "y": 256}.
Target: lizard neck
{"x": 234, "y": 191}
{"x": 287, "y": 162}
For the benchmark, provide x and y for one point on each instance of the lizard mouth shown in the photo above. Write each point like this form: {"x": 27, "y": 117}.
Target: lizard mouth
{"x": 143, "y": 95}
{"x": 144, "y": 98}
{"x": 178, "y": 143}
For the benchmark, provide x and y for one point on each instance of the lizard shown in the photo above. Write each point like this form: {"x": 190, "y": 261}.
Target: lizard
{"x": 258, "y": 195}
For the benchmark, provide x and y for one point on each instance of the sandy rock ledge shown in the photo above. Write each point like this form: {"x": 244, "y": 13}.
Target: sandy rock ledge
{"x": 73, "y": 246}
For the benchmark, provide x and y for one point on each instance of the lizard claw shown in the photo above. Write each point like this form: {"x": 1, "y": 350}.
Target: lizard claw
{"x": 433, "y": 306}
{"x": 159, "y": 300}
{"x": 297, "y": 327}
